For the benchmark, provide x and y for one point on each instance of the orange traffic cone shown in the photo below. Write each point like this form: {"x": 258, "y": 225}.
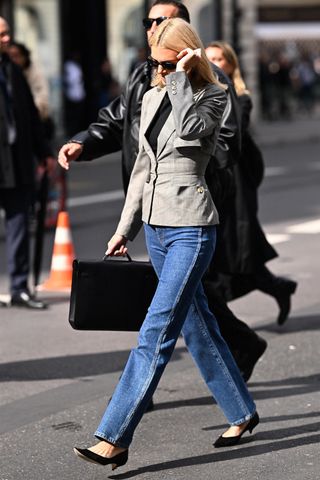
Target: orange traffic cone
{"x": 62, "y": 257}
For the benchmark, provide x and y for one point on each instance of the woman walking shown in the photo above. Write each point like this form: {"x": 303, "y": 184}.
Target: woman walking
{"x": 167, "y": 194}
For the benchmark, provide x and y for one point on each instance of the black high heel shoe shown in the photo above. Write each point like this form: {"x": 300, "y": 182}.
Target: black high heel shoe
{"x": 283, "y": 297}
{"x": 230, "y": 441}
{"x": 116, "y": 461}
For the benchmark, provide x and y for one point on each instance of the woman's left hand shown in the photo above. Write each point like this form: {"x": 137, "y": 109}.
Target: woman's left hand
{"x": 117, "y": 246}
{"x": 188, "y": 59}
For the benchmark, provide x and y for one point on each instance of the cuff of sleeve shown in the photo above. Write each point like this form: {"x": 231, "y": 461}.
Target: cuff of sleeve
{"x": 177, "y": 82}
{"x": 129, "y": 232}
{"x": 75, "y": 141}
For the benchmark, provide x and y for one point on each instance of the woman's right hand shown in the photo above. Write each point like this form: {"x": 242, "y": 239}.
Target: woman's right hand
{"x": 188, "y": 59}
{"x": 117, "y": 246}
{"x": 69, "y": 152}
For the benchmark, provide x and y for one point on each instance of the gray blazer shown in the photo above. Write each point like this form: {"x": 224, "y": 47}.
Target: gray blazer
{"x": 169, "y": 189}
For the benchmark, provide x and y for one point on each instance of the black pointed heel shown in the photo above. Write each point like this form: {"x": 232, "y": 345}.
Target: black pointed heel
{"x": 230, "y": 441}
{"x": 283, "y": 298}
{"x": 116, "y": 461}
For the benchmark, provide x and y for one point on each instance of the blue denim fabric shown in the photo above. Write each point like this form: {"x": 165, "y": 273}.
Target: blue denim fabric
{"x": 180, "y": 256}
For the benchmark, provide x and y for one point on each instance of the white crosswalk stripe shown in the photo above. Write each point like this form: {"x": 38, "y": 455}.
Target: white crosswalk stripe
{"x": 310, "y": 227}
{"x": 275, "y": 238}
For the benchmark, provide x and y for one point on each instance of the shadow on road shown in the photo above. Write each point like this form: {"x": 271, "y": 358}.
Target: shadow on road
{"x": 73, "y": 366}
{"x": 231, "y": 454}
{"x": 287, "y": 387}
{"x": 293, "y": 325}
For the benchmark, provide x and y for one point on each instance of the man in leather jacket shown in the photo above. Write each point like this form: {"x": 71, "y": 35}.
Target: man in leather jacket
{"x": 117, "y": 127}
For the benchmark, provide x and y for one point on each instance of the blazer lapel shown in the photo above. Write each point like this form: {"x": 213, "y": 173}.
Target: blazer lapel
{"x": 154, "y": 104}
{"x": 169, "y": 126}
{"x": 165, "y": 133}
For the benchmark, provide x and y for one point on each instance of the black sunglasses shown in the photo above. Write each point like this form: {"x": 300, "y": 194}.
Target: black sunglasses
{"x": 166, "y": 65}
{"x": 147, "y": 22}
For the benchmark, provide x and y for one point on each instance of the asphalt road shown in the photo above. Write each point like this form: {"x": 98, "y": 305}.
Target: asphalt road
{"x": 55, "y": 382}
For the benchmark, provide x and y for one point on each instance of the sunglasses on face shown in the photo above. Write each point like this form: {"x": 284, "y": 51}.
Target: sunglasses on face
{"x": 147, "y": 22}
{"x": 165, "y": 65}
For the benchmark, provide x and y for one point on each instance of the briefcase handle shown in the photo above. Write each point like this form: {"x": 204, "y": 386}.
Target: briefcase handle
{"x": 105, "y": 257}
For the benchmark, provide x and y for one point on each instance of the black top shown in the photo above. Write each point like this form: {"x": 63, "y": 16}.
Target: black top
{"x": 158, "y": 121}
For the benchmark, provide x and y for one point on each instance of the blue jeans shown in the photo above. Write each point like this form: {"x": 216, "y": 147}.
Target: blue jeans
{"x": 180, "y": 256}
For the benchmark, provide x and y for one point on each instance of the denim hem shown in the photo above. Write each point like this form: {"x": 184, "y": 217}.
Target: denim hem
{"x": 243, "y": 420}
{"x": 116, "y": 443}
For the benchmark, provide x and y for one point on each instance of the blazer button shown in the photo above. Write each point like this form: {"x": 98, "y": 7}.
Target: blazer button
{"x": 173, "y": 82}
{"x": 200, "y": 189}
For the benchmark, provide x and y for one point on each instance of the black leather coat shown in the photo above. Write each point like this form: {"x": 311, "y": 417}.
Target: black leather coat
{"x": 242, "y": 246}
{"x": 17, "y": 160}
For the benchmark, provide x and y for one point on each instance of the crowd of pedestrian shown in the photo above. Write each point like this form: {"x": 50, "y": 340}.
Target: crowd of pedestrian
{"x": 289, "y": 85}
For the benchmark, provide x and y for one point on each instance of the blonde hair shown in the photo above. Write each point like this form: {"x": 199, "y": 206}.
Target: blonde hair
{"x": 231, "y": 57}
{"x": 176, "y": 34}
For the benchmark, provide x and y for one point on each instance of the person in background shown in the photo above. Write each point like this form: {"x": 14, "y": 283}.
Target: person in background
{"x": 109, "y": 88}
{"x": 140, "y": 59}
{"x": 167, "y": 192}
{"x": 74, "y": 94}
{"x": 21, "y": 138}
{"x": 38, "y": 83}
{"x": 117, "y": 127}
{"x": 39, "y": 87}
{"x": 249, "y": 271}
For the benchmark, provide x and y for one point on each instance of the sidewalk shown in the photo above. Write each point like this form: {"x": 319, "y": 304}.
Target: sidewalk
{"x": 55, "y": 384}
{"x": 289, "y": 131}
{"x": 61, "y": 392}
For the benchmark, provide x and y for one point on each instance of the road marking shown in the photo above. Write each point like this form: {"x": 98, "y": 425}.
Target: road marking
{"x": 105, "y": 197}
{"x": 275, "y": 238}
{"x": 96, "y": 198}
{"x": 274, "y": 171}
{"x": 311, "y": 227}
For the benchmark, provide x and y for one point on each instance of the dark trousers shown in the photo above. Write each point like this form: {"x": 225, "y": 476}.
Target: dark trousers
{"x": 16, "y": 204}
{"x": 238, "y": 335}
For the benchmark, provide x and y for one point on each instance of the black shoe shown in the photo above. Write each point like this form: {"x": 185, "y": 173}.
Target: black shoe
{"x": 246, "y": 361}
{"x": 150, "y": 407}
{"x": 116, "y": 461}
{"x": 230, "y": 441}
{"x": 26, "y": 300}
{"x": 283, "y": 297}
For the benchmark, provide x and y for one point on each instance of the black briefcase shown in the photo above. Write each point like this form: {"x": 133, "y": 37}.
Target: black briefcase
{"x": 111, "y": 294}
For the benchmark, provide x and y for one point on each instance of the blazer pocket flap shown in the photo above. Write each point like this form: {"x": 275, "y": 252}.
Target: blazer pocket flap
{"x": 179, "y": 142}
{"x": 205, "y": 144}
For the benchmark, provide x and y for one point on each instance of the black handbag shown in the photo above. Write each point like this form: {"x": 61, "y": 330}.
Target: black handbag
{"x": 111, "y": 294}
